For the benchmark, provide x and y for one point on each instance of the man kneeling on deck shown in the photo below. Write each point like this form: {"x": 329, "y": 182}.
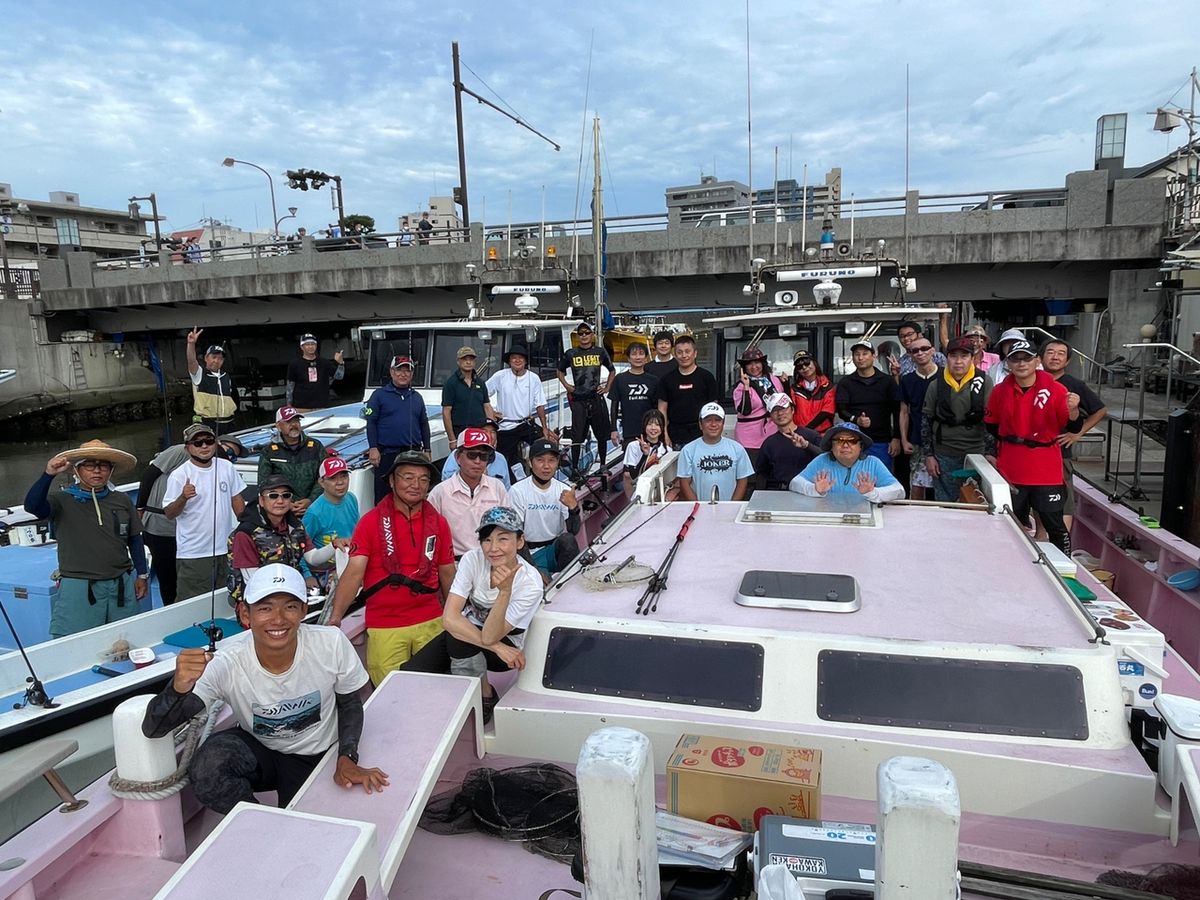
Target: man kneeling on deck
{"x": 293, "y": 690}
{"x": 491, "y": 604}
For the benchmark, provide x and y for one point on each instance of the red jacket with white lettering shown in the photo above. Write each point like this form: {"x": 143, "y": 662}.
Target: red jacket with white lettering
{"x": 1029, "y": 420}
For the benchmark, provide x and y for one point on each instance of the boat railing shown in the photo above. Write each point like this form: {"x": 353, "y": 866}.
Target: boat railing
{"x": 991, "y": 482}
{"x": 654, "y": 483}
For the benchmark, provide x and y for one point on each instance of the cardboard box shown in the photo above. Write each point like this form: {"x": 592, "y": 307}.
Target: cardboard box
{"x": 734, "y": 783}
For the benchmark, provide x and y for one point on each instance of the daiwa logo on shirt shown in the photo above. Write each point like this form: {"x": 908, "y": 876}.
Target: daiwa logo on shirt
{"x": 389, "y": 545}
{"x": 287, "y": 717}
{"x": 1041, "y": 398}
{"x": 977, "y": 384}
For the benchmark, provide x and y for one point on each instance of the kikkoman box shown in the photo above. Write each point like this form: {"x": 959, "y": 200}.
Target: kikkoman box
{"x": 734, "y": 783}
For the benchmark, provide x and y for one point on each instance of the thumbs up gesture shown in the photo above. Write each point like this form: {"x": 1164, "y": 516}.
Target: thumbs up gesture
{"x": 189, "y": 490}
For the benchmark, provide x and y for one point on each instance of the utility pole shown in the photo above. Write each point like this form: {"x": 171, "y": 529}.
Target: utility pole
{"x": 136, "y": 214}
{"x": 598, "y": 233}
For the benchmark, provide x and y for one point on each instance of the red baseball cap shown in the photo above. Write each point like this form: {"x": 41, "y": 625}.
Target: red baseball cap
{"x": 333, "y": 466}
{"x": 399, "y": 362}
{"x": 474, "y": 437}
{"x": 286, "y": 414}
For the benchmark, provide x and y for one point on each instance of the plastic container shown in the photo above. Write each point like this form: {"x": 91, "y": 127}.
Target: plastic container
{"x": 1187, "y": 580}
{"x": 141, "y": 657}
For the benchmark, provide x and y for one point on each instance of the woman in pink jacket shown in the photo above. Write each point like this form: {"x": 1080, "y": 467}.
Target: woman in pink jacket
{"x": 753, "y": 424}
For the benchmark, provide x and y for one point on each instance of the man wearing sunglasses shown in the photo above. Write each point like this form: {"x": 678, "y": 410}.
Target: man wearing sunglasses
{"x": 913, "y": 386}
{"x": 269, "y": 532}
{"x": 204, "y": 498}
{"x": 470, "y": 492}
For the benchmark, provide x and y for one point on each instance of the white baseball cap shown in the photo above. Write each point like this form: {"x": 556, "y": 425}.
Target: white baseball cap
{"x": 711, "y": 409}
{"x": 775, "y": 401}
{"x": 275, "y": 578}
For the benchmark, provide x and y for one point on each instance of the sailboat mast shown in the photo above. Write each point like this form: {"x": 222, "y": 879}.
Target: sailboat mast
{"x": 597, "y": 232}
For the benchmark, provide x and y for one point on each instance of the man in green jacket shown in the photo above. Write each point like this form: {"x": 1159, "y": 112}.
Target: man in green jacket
{"x": 295, "y": 455}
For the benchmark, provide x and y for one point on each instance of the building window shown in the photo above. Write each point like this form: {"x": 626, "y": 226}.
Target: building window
{"x": 68, "y": 232}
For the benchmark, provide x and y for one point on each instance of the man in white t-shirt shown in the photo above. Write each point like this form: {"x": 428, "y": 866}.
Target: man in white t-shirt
{"x": 519, "y": 399}
{"x": 713, "y": 460}
{"x": 549, "y": 510}
{"x": 292, "y": 688}
{"x": 492, "y": 602}
{"x": 203, "y": 498}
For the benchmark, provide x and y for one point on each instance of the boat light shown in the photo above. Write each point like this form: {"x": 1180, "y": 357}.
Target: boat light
{"x": 732, "y": 333}
{"x": 788, "y": 329}
{"x": 493, "y": 254}
{"x": 485, "y": 335}
{"x": 377, "y": 335}
{"x": 858, "y": 327}
{"x": 551, "y": 251}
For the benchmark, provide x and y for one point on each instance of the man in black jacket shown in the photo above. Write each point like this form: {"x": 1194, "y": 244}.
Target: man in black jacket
{"x": 869, "y": 399}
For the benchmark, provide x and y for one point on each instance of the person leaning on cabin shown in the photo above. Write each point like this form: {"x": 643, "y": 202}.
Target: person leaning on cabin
{"x": 99, "y": 539}
{"x": 847, "y": 467}
{"x": 296, "y": 456}
{"x": 310, "y": 376}
{"x": 1026, "y": 413}
{"x": 464, "y": 397}
{"x": 396, "y": 421}
{"x": 785, "y": 454}
{"x": 713, "y": 460}
{"x": 292, "y": 688}
{"x": 492, "y": 602}
{"x": 402, "y": 550}
{"x": 952, "y": 419}
{"x": 214, "y": 397}
{"x": 814, "y": 397}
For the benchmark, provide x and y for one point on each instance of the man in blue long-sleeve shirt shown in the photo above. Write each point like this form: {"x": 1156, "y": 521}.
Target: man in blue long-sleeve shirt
{"x": 99, "y": 539}
{"x": 396, "y": 422}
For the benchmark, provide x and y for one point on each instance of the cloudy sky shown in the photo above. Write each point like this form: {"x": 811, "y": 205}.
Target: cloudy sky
{"x": 113, "y": 99}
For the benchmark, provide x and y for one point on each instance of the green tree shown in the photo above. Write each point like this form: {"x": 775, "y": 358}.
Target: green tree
{"x": 367, "y": 223}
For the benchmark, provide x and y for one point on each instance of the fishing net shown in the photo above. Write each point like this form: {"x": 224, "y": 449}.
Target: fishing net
{"x": 617, "y": 575}
{"x": 536, "y": 805}
{"x": 1173, "y": 880}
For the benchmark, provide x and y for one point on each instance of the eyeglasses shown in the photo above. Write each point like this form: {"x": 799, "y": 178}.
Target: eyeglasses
{"x": 278, "y": 495}
{"x": 95, "y": 464}
{"x": 478, "y": 455}
{"x": 924, "y": 349}
{"x": 846, "y": 442}
{"x": 414, "y": 479}
{"x": 203, "y": 442}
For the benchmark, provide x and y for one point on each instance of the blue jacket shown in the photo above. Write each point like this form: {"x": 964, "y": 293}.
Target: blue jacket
{"x": 396, "y": 418}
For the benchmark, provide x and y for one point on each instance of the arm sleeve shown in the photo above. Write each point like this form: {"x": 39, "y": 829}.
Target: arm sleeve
{"x": 168, "y": 710}
{"x": 137, "y": 552}
{"x": 153, "y": 473}
{"x": 291, "y": 389}
{"x": 371, "y": 408}
{"x": 350, "y": 722}
{"x": 614, "y": 399}
{"x": 894, "y": 403}
{"x": 426, "y": 438}
{"x": 37, "y": 502}
{"x": 842, "y": 402}
{"x": 741, "y": 400}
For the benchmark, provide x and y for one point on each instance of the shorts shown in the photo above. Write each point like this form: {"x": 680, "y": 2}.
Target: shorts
{"x": 199, "y": 576}
{"x": 919, "y": 475}
{"x": 390, "y": 648}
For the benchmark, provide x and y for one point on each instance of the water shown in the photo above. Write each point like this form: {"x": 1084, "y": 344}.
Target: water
{"x": 23, "y": 462}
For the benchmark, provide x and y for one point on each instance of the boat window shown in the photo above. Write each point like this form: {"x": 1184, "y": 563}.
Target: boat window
{"x": 654, "y": 667}
{"x": 398, "y": 343}
{"x": 966, "y": 695}
{"x": 445, "y": 355}
{"x": 545, "y": 350}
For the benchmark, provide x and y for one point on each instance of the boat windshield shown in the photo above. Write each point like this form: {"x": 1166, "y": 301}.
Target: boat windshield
{"x": 445, "y": 355}
{"x": 414, "y": 344}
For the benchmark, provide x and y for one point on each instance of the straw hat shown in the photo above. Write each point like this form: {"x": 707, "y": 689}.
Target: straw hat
{"x": 100, "y": 450}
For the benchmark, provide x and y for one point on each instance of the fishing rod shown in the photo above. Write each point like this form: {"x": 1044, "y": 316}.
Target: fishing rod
{"x": 658, "y": 582}
{"x": 35, "y": 694}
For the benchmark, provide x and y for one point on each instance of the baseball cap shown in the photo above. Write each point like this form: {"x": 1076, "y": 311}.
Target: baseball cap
{"x": 862, "y": 342}
{"x": 1023, "y": 347}
{"x": 775, "y": 401}
{"x": 501, "y": 517}
{"x": 198, "y": 428}
{"x": 307, "y": 339}
{"x": 401, "y": 361}
{"x": 801, "y": 354}
{"x": 286, "y": 414}
{"x": 474, "y": 437}
{"x": 333, "y": 465}
{"x": 961, "y": 344}
{"x": 465, "y": 351}
{"x": 711, "y": 409}
{"x": 541, "y": 447}
{"x": 412, "y": 458}
{"x": 583, "y": 326}
{"x": 214, "y": 348}
{"x": 275, "y": 481}
{"x": 275, "y": 578}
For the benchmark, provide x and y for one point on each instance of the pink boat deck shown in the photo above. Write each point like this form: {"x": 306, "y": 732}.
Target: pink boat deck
{"x": 928, "y": 575}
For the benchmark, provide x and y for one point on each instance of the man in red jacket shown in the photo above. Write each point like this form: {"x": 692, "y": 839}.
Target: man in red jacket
{"x": 1026, "y": 413}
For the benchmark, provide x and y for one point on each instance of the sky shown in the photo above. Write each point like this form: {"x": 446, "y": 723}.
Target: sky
{"x": 113, "y": 99}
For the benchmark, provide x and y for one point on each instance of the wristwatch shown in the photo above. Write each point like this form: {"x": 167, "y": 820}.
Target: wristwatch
{"x": 351, "y": 753}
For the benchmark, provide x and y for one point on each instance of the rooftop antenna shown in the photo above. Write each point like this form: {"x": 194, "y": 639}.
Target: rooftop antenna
{"x": 750, "y": 147}
{"x": 906, "y": 114}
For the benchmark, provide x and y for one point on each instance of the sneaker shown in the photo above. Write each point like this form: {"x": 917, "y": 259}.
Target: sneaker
{"x": 489, "y": 707}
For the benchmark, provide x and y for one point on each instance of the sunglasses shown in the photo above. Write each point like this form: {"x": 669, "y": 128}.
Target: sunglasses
{"x": 477, "y": 454}
{"x": 846, "y": 442}
{"x": 802, "y": 363}
{"x": 924, "y": 349}
{"x": 203, "y": 442}
{"x": 278, "y": 495}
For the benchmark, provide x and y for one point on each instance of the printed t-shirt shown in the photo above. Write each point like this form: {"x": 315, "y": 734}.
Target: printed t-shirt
{"x": 395, "y": 606}
{"x": 473, "y": 581}
{"x": 195, "y": 537}
{"x": 294, "y": 711}
{"x": 1038, "y": 413}
{"x": 720, "y": 464}
{"x": 541, "y": 508}
{"x": 584, "y": 366}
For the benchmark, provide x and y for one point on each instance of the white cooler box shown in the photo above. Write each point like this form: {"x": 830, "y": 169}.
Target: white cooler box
{"x": 1141, "y": 650}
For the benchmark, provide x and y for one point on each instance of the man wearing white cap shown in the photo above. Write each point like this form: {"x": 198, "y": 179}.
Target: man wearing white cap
{"x": 713, "y": 460}
{"x": 292, "y": 688}
{"x": 309, "y": 376}
{"x": 99, "y": 539}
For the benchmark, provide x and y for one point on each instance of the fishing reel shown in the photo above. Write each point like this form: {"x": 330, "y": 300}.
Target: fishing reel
{"x": 35, "y": 695}
{"x": 213, "y": 632}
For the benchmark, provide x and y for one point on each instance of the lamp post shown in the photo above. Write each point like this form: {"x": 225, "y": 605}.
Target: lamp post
{"x": 136, "y": 213}
{"x": 291, "y": 215}
{"x": 229, "y": 162}
{"x": 23, "y": 208}
{"x": 1166, "y": 120}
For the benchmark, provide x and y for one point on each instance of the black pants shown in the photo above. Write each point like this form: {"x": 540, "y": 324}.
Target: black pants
{"x": 232, "y": 765}
{"x": 1048, "y": 501}
{"x": 162, "y": 548}
{"x": 386, "y": 457}
{"x": 508, "y": 441}
{"x": 435, "y": 656}
{"x": 589, "y": 412}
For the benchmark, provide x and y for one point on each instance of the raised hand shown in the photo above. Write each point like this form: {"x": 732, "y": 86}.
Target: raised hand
{"x": 865, "y": 483}
{"x": 189, "y": 666}
{"x": 58, "y": 465}
{"x": 823, "y": 483}
{"x": 799, "y": 440}
{"x": 568, "y": 499}
{"x": 338, "y": 357}
{"x": 863, "y": 420}
{"x": 189, "y": 490}
{"x": 194, "y": 335}
{"x": 502, "y": 575}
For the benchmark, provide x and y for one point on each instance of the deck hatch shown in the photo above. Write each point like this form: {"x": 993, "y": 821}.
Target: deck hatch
{"x": 948, "y": 694}
{"x": 655, "y": 667}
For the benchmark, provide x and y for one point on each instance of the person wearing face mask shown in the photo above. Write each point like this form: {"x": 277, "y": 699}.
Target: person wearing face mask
{"x": 99, "y": 539}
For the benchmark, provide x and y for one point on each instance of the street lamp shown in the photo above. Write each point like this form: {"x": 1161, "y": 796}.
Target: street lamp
{"x": 135, "y": 213}
{"x": 291, "y": 215}
{"x": 1166, "y": 120}
{"x": 23, "y": 209}
{"x": 229, "y": 162}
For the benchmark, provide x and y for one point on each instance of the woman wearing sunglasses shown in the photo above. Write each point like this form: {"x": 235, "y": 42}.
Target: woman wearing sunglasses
{"x": 268, "y": 533}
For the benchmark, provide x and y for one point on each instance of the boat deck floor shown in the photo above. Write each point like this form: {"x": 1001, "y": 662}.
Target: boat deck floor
{"x": 920, "y": 577}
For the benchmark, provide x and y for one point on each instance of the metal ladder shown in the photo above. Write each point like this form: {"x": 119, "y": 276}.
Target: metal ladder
{"x": 77, "y": 372}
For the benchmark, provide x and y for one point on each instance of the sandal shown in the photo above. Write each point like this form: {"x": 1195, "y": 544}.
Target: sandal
{"x": 489, "y": 707}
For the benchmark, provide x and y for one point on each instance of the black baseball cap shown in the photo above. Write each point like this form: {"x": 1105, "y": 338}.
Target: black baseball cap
{"x": 541, "y": 447}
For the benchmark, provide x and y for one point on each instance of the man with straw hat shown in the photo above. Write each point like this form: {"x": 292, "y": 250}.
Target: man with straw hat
{"x": 99, "y": 539}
